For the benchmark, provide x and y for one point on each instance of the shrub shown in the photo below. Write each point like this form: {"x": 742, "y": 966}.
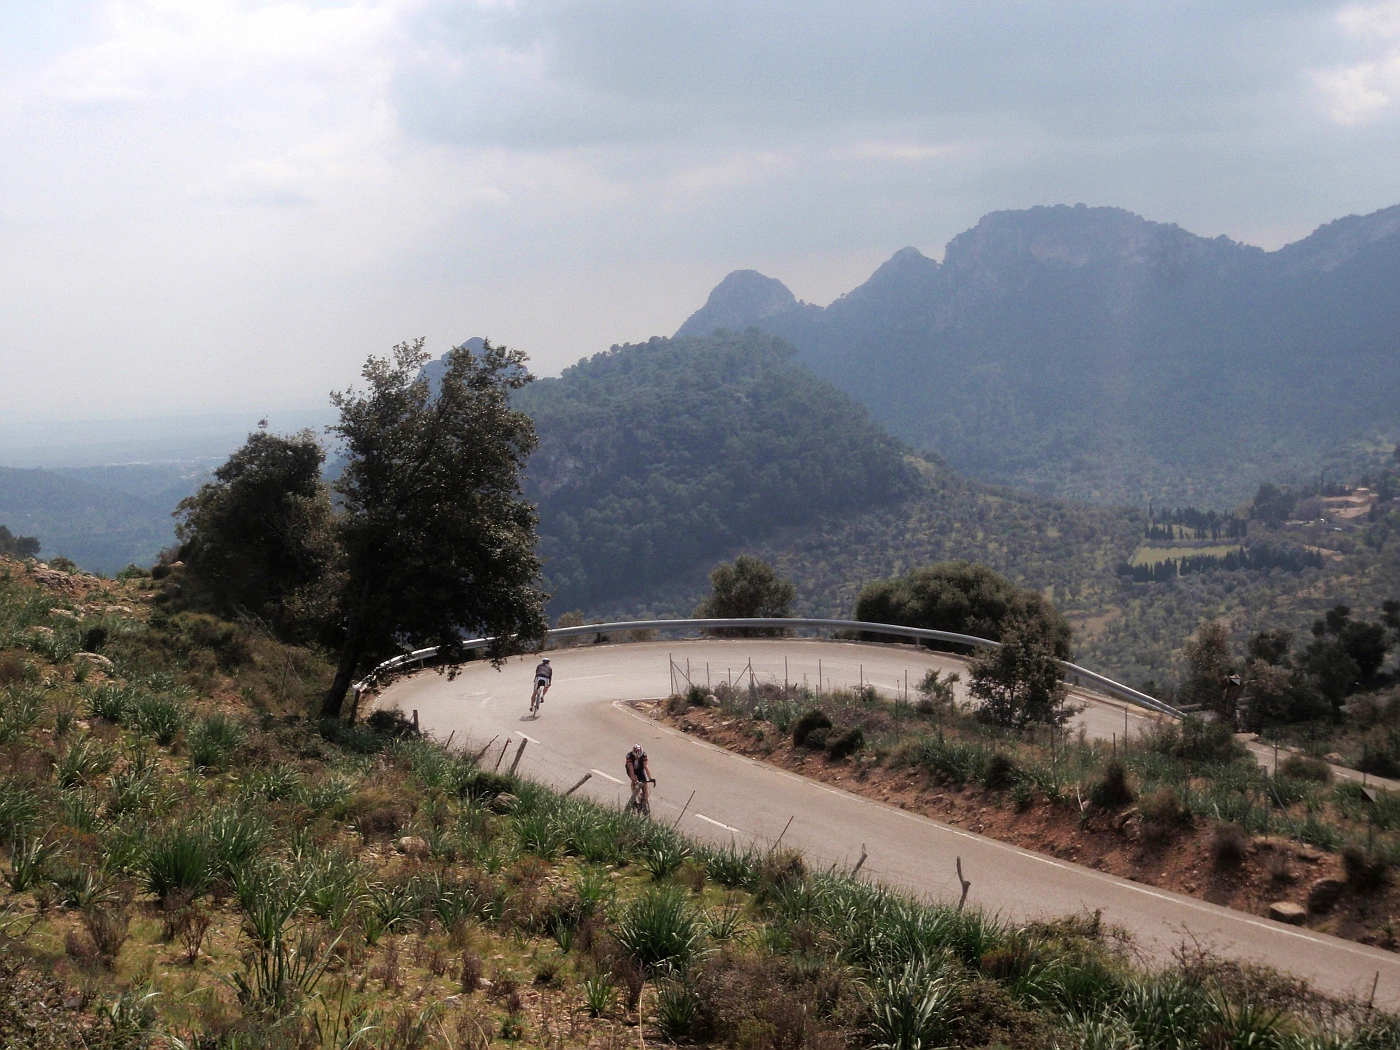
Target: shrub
{"x": 1000, "y": 772}
{"x": 160, "y": 716}
{"x": 13, "y": 669}
{"x": 658, "y": 930}
{"x": 803, "y": 727}
{"x": 846, "y": 743}
{"x": 110, "y": 702}
{"x": 1301, "y": 767}
{"x": 1228, "y": 848}
{"x": 911, "y": 1010}
{"x": 1112, "y": 792}
{"x": 664, "y": 857}
{"x": 108, "y": 929}
{"x": 471, "y": 970}
{"x": 212, "y": 742}
{"x": 677, "y": 1009}
{"x": 1366, "y": 872}
{"x": 177, "y": 859}
{"x": 82, "y": 760}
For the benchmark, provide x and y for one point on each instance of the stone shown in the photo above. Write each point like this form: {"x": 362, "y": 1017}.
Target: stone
{"x": 504, "y": 803}
{"x": 1287, "y": 911}
{"x": 95, "y": 658}
{"x": 1324, "y": 893}
{"x": 68, "y": 614}
{"x": 413, "y": 846}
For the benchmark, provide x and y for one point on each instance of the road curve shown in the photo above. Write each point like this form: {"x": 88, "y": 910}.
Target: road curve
{"x": 585, "y": 728}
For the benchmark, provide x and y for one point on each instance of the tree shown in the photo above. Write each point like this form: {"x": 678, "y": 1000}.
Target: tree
{"x": 1272, "y": 504}
{"x": 18, "y": 546}
{"x": 746, "y": 587}
{"x": 437, "y": 539}
{"x": 1271, "y": 647}
{"x": 963, "y": 598}
{"x": 259, "y": 538}
{"x": 1021, "y": 681}
{"x": 1209, "y": 666}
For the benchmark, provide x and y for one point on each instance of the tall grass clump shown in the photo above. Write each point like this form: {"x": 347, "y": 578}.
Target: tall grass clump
{"x": 178, "y": 859}
{"x": 658, "y": 930}
{"x": 159, "y": 715}
{"x": 212, "y": 742}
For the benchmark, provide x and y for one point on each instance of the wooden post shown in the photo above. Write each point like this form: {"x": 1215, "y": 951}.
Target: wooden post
{"x": 501, "y": 756}
{"x": 518, "y": 752}
{"x": 671, "y": 669}
{"x": 448, "y": 746}
{"x": 477, "y": 757}
{"x": 785, "y": 829}
{"x": 586, "y": 778}
{"x": 965, "y": 886}
{"x": 856, "y": 870}
{"x": 819, "y": 678}
{"x": 785, "y": 678}
{"x": 415, "y": 721}
{"x": 683, "y": 809}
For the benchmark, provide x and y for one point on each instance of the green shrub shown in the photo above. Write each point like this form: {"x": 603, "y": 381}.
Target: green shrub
{"x": 80, "y": 761}
{"x": 160, "y": 716}
{"x": 911, "y": 1010}
{"x": 1228, "y": 847}
{"x": 729, "y": 866}
{"x": 846, "y": 743}
{"x": 1366, "y": 872}
{"x": 658, "y": 931}
{"x": 803, "y": 727}
{"x": 1301, "y": 767}
{"x": 212, "y": 742}
{"x": 178, "y": 858}
{"x": 111, "y": 702}
{"x": 1112, "y": 792}
{"x": 677, "y": 1010}
{"x": 664, "y": 858}
{"x": 999, "y": 773}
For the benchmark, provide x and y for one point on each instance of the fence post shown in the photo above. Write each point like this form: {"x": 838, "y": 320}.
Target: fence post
{"x": 519, "y": 751}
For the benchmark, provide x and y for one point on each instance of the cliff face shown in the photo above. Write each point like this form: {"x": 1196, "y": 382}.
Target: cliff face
{"x": 1090, "y": 352}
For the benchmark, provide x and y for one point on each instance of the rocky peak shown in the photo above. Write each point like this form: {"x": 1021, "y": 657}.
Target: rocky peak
{"x": 742, "y": 299}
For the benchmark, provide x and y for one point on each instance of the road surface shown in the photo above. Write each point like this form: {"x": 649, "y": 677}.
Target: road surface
{"x": 585, "y": 728}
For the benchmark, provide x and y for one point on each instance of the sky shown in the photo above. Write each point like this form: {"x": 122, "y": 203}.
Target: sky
{"x": 218, "y": 206}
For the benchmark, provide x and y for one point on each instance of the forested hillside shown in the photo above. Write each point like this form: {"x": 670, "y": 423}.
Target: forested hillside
{"x": 655, "y": 459}
{"x": 1087, "y": 352}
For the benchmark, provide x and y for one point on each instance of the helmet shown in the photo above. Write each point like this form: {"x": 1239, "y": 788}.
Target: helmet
{"x": 544, "y": 660}
{"x": 636, "y": 749}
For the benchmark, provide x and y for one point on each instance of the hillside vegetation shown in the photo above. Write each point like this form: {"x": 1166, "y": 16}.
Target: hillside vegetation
{"x": 189, "y": 856}
{"x": 1090, "y": 353}
{"x": 656, "y": 458}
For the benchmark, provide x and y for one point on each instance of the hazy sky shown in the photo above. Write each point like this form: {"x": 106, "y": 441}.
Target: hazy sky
{"x": 209, "y": 204}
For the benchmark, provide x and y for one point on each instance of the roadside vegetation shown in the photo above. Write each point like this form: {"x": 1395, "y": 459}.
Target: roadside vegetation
{"x": 193, "y": 858}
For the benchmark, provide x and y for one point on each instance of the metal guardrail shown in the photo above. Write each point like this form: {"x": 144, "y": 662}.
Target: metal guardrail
{"x": 1080, "y": 676}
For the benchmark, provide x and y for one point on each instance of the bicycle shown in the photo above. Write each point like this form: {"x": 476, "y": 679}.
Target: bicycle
{"x": 641, "y": 798}
{"x": 537, "y": 697}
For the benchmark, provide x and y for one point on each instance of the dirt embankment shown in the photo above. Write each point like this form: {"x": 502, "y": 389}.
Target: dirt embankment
{"x": 1185, "y": 860}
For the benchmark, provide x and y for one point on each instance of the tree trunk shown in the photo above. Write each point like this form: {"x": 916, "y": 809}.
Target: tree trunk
{"x": 344, "y": 676}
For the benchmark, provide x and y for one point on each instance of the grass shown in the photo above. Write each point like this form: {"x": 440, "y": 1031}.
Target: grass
{"x": 221, "y": 890}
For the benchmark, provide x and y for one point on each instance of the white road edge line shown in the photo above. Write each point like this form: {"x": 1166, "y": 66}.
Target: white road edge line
{"x": 1230, "y": 914}
{"x": 716, "y": 823}
{"x": 599, "y": 772}
{"x": 530, "y": 738}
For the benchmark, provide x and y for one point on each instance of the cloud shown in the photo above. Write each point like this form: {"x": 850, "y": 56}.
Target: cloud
{"x": 1369, "y": 89}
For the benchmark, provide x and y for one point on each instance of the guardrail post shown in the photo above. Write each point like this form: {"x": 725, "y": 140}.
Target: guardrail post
{"x": 518, "y": 752}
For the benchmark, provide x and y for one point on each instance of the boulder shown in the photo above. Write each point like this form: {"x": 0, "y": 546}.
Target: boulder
{"x": 413, "y": 846}
{"x": 1323, "y": 894}
{"x": 1287, "y": 911}
{"x": 97, "y": 659}
{"x": 503, "y": 803}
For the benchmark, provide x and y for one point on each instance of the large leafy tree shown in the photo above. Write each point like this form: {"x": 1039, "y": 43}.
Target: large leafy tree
{"x": 746, "y": 587}
{"x": 258, "y": 538}
{"x": 964, "y": 598}
{"x": 437, "y": 540}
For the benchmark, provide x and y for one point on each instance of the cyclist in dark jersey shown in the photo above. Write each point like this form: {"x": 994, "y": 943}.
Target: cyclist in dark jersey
{"x": 544, "y": 677}
{"x": 639, "y": 773}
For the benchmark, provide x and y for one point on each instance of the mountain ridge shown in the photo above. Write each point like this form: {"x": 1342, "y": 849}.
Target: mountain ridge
{"x": 1092, "y": 353}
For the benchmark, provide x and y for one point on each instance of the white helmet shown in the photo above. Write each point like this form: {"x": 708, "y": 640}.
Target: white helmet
{"x": 636, "y": 749}
{"x": 544, "y": 660}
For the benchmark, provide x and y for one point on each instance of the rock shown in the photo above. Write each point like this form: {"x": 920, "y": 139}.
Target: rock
{"x": 1287, "y": 911}
{"x": 95, "y": 658}
{"x": 1324, "y": 893}
{"x": 413, "y": 846}
{"x": 711, "y": 700}
{"x": 1309, "y": 855}
{"x": 41, "y": 632}
{"x": 503, "y": 803}
{"x": 66, "y": 613}
{"x": 1334, "y": 757}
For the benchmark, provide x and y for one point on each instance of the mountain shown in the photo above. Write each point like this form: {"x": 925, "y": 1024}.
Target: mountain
{"x": 657, "y": 458}
{"x": 1088, "y": 352}
{"x": 99, "y": 526}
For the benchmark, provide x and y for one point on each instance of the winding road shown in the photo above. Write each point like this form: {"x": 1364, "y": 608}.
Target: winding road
{"x": 586, "y": 728}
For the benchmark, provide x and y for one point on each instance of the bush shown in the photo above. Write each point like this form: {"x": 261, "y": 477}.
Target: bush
{"x": 159, "y": 716}
{"x": 1112, "y": 792}
{"x": 999, "y": 773}
{"x": 1301, "y": 767}
{"x": 846, "y": 743}
{"x": 178, "y": 859}
{"x": 1228, "y": 848}
{"x": 1366, "y": 872}
{"x": 803, "y": 727}
{"x": 213, "y": 741}
{"x": 658, "y": 930}
{"x": 1162, "y": 814}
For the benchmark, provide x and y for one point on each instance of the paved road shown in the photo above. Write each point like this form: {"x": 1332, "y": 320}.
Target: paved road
{"x": 585, "y": 728}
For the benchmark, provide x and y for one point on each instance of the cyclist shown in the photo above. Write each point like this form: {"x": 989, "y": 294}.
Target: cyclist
{"x": 544, "y": 677}
{"x": 639, "y": 773}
